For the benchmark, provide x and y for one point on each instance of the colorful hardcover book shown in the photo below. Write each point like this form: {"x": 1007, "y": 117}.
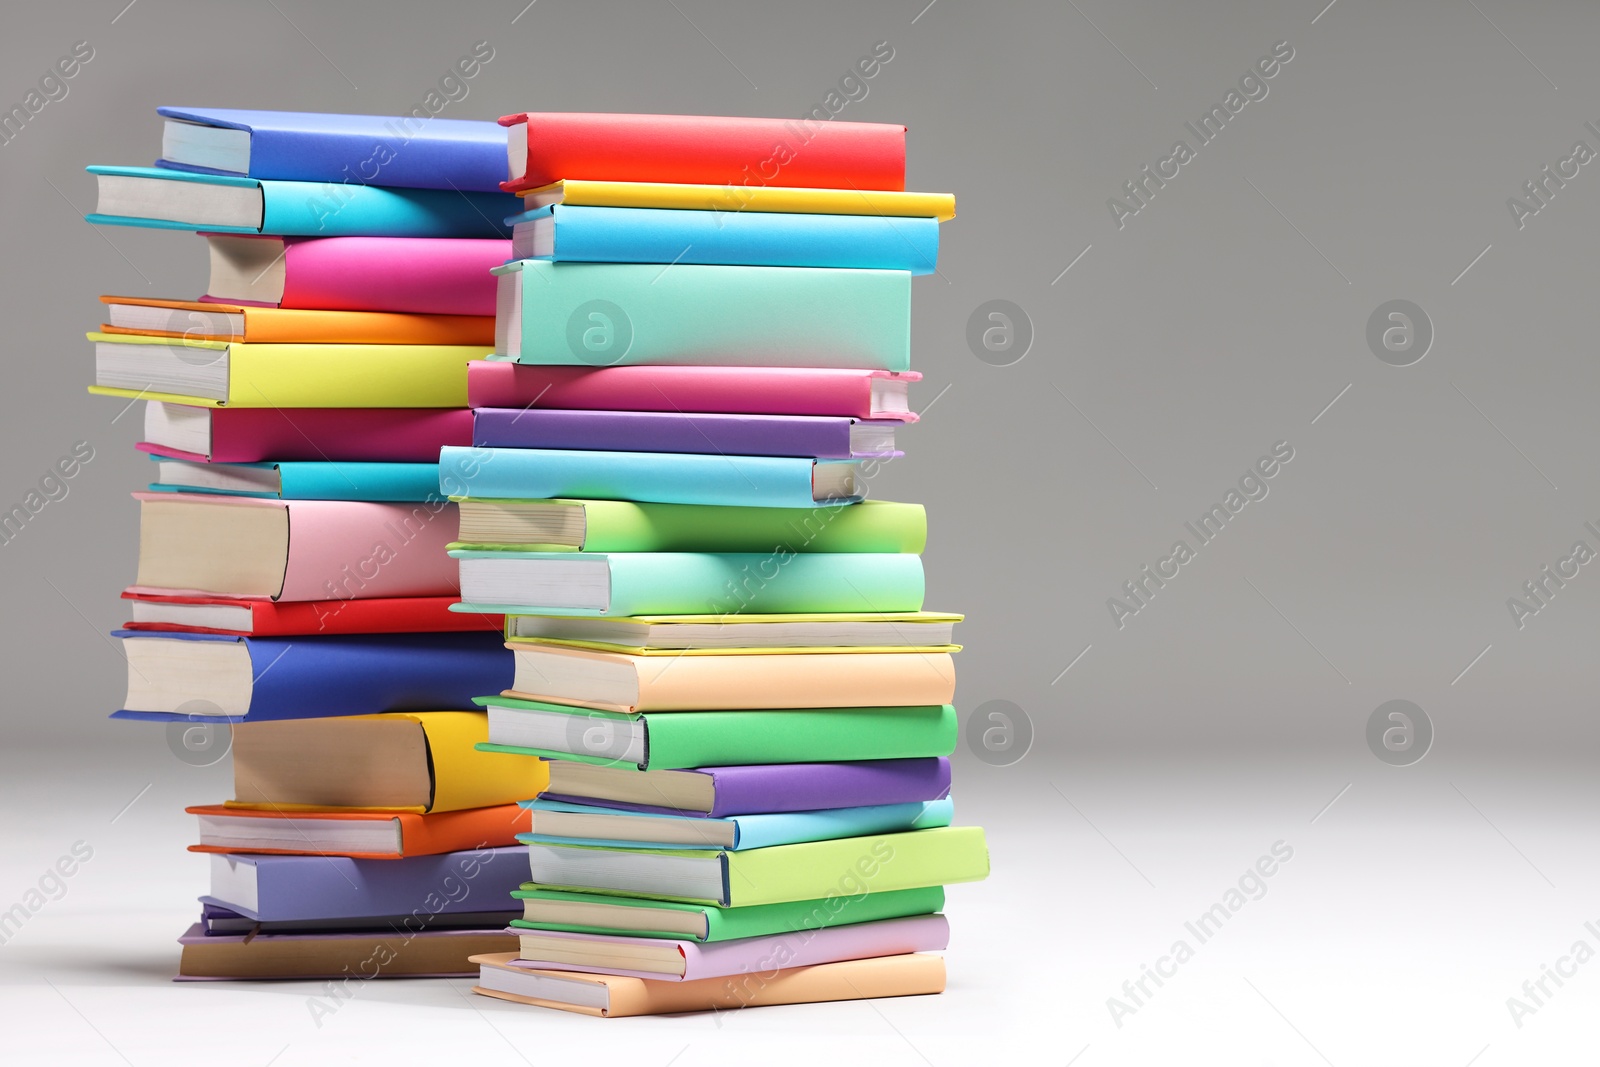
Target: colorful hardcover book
{"x": 630, "y": 526}
{"x": 297, "y": 480}
{"x": 862, "y": 394}
{"x": 357, "y": 834}
{"x": 254, "y": 435}
{"x": 203, "y": 543}
{"x": 616, "y": 996}
{"x": 213, "y": 321}
{"x": 941, "y": 856}
{"x": 418, "y": 762}
{"x": 406, "y": 151}
{"x": 707, "y": 635}
{"x": 688, "y": 961}
{"x": 595, "y": 913}
{"x": 282, "y": 888}
{"x": 260, "y": 617}
{"x": 615, "y": 681}
{"x": 648, "y": 477}
{"x": 564, "y": 233}
{"x": 200, "y": 677}
{"x": 687, "y": 583}
{"x": 423, "y": 953}
{"x": 417, "y": 275}
{"x": 678, "y": 740}
{"x": 176, "y": 200}
{"x": 815, "y": 436}
{"x": 556, "y": 822}
{"x": 233, "y": 373}
{"x": 546, "y": 147}
{"x": 724, "y": 200}
{"x": 639, "y": 314}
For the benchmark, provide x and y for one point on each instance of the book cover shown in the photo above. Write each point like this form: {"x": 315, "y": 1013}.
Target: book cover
{"x": 639, "y": 314}
{"x": 210, "y": 321}
{"x": 420, "y": 953}
{"x": 392, "y": 151}
{"x": 305, "y": 480}
{"x": 721, "y": 150}
{"x": 280, "y": 832}
{"x": 260, "y": 617}
{"x": 359, "y": 435}
{"x": 724, "y": 200}
{"x": 734, "y": 390}
{"x": 580, "y": 234}
{"x": 756, "y": 831}
{"x": 817, "y": 437}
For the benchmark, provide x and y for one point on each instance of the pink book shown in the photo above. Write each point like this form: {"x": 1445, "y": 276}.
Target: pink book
{"x": 257, "y": 435}
{"x": 861, "y": 394}
{"x": 749, "y": 955}
{"x": 233, "y": 546}
{"x": 425, "y": 275}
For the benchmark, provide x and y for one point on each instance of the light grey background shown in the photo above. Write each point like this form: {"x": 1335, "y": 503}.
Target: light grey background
{"x": 1222, "y": 318}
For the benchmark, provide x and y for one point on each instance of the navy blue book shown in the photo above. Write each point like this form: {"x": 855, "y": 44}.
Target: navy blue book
{"x": 204, "y": 677}
{"x": 399, "y": 151}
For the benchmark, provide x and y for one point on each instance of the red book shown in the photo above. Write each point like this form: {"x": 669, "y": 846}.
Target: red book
{"x": 861, "y": 394}
{"x": 806, "y": 153}
{"x": 268, "y": 618}
{"x": 258, "y": 435}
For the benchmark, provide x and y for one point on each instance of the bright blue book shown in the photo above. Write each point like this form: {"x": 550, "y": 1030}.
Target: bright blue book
{"x": 648, "y": 477}
{"x": 603, "y": 584}
{"x": 579, "y": 234}
{"x": 307, "y": 146}
{"x": 203, "y": 677}
{"x": 633, "y": 829}
{"x": 292, "y": 480}
{"x": 220, "y": 203}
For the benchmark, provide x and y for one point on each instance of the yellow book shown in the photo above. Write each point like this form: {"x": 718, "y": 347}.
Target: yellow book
{"x": 239, "y": 374}
{"x": 941, "y": 206}
{"x": 420, "y": 762}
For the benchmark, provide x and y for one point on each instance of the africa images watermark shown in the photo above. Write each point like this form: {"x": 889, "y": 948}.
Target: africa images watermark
{"x": 1252, "y": 87}
{"x": 50, "y": 886}
{"x": 54, "y": 485}
{"x": 52, "y": 86}
{"x": 1536, "y": 992}
{"x": 1538, "y": 591}
{"x": 1253, "y": 486}
{"x": 1540, "y": 190}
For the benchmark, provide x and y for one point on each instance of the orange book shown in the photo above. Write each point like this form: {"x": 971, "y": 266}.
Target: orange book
{"x": 357, "y": 834}
{"x": 613, "y": 996}
{"x": 243, "y": 323}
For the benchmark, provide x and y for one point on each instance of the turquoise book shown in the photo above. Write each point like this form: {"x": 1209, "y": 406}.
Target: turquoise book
{"x": 686, "y": 583}
{"x": 219, "y": 203}
{"x": 295, "y": 480}
{"x": 635, "y": 314}
{"x": 557, "y": 822}
{"x": 648, "y": 477}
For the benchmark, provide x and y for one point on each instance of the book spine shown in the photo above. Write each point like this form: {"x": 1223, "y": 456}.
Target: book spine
{"x": 686, "y": 740}
{"x": 425, "y": 276}
{"x": 400, "y": 435}
{"x": 634, "y": 431}
{"x": 772, "y": 583}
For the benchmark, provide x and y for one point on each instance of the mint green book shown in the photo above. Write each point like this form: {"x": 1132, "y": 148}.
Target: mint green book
{"x": 638, "y": 314}
{"x": 595, "y": 913}
{"x": 812, "y": 870}
{"x": 677, "y": 740}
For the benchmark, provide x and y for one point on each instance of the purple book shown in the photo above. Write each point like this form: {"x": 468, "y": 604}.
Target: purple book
{"x": 817, "y": 437}
{"x": 274, "y": 888}
{"x": 769, "y": 788}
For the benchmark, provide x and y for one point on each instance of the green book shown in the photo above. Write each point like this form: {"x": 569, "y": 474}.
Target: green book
{"x": 671, "y": 740}
{"x": 812, "y": 870}
{"x": 595, "y": 913}
{"x": 625, "y": 526}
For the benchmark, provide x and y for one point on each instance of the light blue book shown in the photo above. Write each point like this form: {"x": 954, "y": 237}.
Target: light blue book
{"x": 648, "y": 477}
{"x": 219, "y": 203}
{"x": 580, "y": 234}
{"x": 381, "y": 482}
{"x": 580, "y": 824}
{"x": 601, "y": 584}
{"x": 642, "y": 314}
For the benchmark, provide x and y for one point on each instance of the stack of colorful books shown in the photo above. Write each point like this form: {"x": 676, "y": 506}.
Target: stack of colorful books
{"x": 702, "y": 357}
{"x": 293, "y": 588}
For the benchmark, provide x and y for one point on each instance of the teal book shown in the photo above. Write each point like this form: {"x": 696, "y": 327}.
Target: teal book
{"x": 687, "y": 583}
{"x": 219, "y": 203}
{"x": 648, "y": 477}
{"x": 634, "y": 314}
{"x": 294, "y": 480}
{"x": 598, "y": 913}
{"x": 556, "y": 822}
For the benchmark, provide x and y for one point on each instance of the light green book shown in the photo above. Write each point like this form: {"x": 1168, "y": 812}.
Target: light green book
{"x": 853, "y": 866}
{"x": 595, "y": 913}
{"x": 637, "y": 314}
